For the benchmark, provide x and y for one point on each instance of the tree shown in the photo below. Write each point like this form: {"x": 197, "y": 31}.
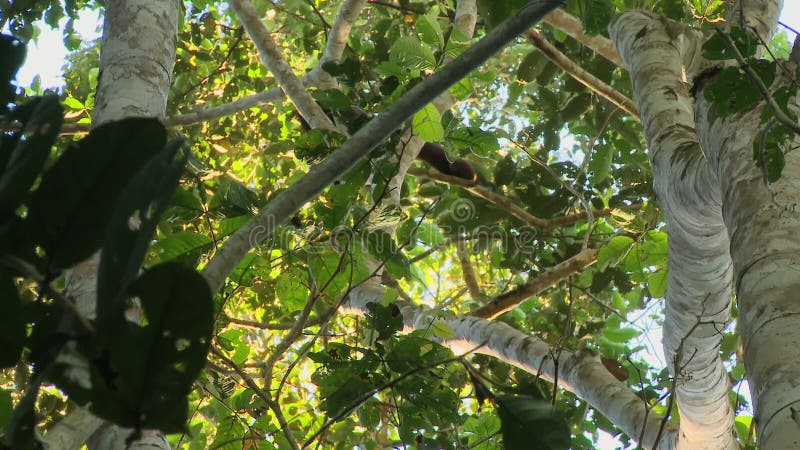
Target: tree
{"x": 358, "y": 299}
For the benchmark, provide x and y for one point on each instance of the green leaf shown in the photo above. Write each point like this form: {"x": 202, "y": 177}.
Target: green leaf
{"x": 178, "y": 244}
{"x": 611, "y": 253}
{"x": 409, "y": 53}
{"x": 495, "y": 12}
{"x": 716, "y": 49}
{"x": 429, "y": 234}
{"x": 334, "y": 273}
{"x": 531, "y": 66}
{"x": 429, "y": 30}
{"x": 601, "y": 164}
{"x": 132, "y": 225}
{"x": 73, "y": 103}
{"x": 731, "y": 91}
{"x": 463, "y": 89}
{"x": 657, "y": 283}
{"x": 475, "y": 139}
{"x": 12, "y": 322}
{"x": 598, "y": 16}
{"x": 427, "y": 123}
{"x": 152, "y": 367}
{"x": 292, "y": 295}
{"x": 620, "y": 335}
{"x": 6, "y": 406}
{"x": 505, "y": 171}
{"x": 23, "y": 155}
{"x": 69, "y": 211}
{"x": 442, "y": 330}
{"x": 530, "y": 423}
{"x": 386, "y": 320}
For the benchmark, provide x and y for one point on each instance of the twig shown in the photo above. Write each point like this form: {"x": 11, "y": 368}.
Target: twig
{"x": 273, "y": 406}
{"x": 389, "y": 384}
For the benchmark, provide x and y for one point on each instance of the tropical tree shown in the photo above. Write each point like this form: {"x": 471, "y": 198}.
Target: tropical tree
{"x": 231, "y": 241}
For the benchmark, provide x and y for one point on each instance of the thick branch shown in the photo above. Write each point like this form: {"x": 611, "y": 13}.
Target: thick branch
{"x": 361, "y": 143}
{"x": 579, "y": 372}
{"x": 572, "y": 26}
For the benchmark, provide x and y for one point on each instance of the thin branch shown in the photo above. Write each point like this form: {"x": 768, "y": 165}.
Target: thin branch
{"x": 544, "y": 280}
{"x": 511, "y": 207}
{"x": 285, "y": 204}
{"x": 580, "y": 74}
{"x": 483, "y": 192}
{"x": 337, "y": 40}
{"x": 290, "y": 338}
{"x": 389, "y": 384}
{"x": 271, "y": 57}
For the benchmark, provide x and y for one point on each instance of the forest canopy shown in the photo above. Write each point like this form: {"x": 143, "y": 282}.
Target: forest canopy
{"x": 399, "y": 224}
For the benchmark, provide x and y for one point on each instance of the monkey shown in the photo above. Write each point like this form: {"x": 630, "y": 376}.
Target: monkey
{"x": 436, "y": 157}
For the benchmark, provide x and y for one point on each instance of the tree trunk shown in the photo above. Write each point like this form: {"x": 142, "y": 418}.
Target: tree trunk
{"x": 136, "y": 61}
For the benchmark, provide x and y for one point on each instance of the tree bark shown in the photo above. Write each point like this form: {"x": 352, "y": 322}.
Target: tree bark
{"x": 136, "y": 61}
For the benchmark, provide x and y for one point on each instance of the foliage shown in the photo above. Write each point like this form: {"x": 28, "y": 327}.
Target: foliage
{"x": 537, "y": 138}
{"x": 139, "y": 374}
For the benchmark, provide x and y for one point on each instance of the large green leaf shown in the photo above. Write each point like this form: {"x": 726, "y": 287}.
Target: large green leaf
{"x": 69, "y": 211}
{"x": 130, "y": 230}
{"x": 530, "y": 423}
{"x": 410, "y": 53}
{"x": 146, "y": 372}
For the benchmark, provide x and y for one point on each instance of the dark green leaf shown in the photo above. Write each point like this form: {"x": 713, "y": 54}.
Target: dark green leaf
{"x": 731, "y": 92}
{"x": 505, "y": 171}
{"x": 531, "y": 66}
{"x": 149, "y": 369}
{"x": 717, "y": 49}
{"x": 5, "y": 406}
{"x": 23, "y": 155}
{"x": 529, "y": 423}
{"x": 386, "y": 320}
{"x": 494, "y": 12}
{"x": 13, "y": 51}
{"x": 12, "y": 323}
{"x": 130, "y": 230}
{"x": 69, "y": 211}
{"x": 598, "y": 16}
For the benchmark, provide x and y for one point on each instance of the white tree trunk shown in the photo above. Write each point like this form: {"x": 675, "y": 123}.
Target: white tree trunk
{"x": 136, "y": 62}
{"x": 698, "y": 293}
{"x": 702, "y": 166}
